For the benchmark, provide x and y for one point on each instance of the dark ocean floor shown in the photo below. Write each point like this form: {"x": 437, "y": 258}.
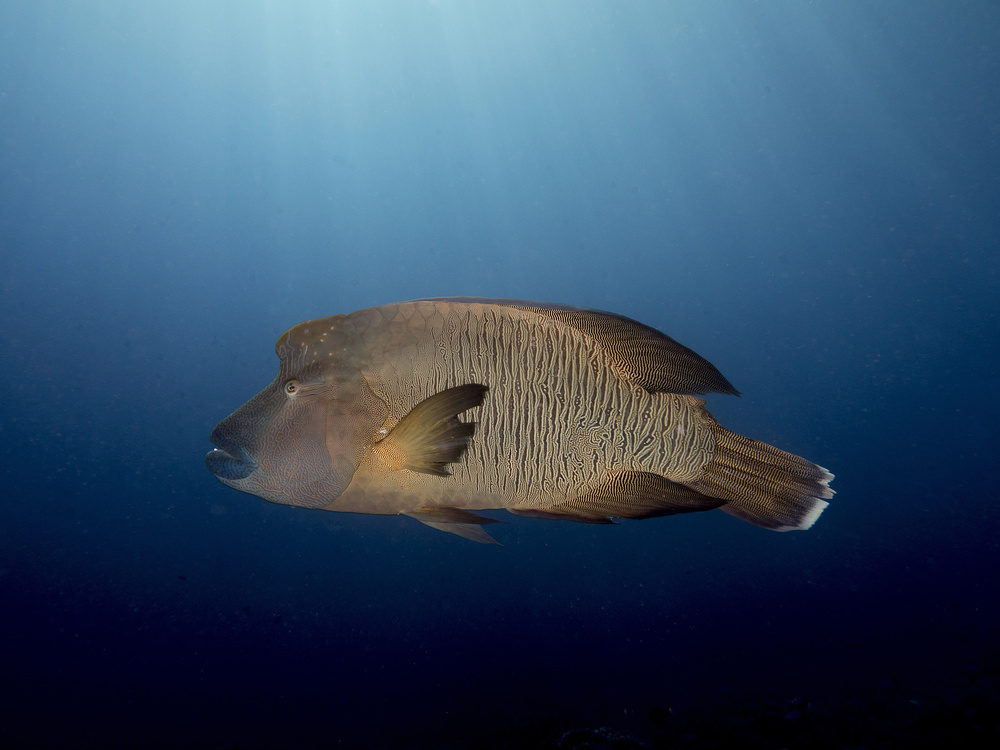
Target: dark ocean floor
{"x": 896, "y": 693}
{"x": 962, "y": 711}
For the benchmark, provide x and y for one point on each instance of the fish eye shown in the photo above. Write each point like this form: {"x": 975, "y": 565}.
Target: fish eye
{"x": 292, "y": 387}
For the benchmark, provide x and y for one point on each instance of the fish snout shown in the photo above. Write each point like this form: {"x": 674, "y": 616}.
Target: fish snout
{"x": 230, "y": 461}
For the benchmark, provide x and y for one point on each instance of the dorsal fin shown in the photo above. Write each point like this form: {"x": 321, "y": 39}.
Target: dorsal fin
{"x": 644, "y": 356}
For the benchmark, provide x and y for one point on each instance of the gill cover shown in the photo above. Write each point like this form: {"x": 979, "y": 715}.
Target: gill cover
{"x": 300, "y": 440}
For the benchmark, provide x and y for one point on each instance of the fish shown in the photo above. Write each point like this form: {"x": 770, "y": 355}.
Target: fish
{"x": 438, "y": 408}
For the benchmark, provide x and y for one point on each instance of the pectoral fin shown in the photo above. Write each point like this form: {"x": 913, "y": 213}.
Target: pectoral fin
{"x": 431, "y": 436}
{"x": 463, "y": 523}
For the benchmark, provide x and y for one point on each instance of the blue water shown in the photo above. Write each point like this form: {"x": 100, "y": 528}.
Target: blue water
{"x": 804, "y": 193}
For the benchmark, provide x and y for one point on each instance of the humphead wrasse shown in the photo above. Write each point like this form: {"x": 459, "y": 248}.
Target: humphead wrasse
{"x": 437, "y": 408}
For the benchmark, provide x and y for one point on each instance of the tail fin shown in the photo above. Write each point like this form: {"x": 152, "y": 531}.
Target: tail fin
{"x": 763, "y": 485}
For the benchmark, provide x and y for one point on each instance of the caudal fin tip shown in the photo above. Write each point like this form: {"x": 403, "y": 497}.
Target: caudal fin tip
{"x": 813, "y": 514}
{"x": 827, "y": 491}
{"x": 807, "y": 519}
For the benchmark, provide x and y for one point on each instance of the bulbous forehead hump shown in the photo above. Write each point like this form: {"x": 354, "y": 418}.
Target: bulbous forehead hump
{"x": 310, "y": 342}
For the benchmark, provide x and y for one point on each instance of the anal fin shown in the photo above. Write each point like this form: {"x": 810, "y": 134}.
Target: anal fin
{"x": 627, "y": 494}
{"x": 554, "y": 515}
{"x": 463, "y": 523}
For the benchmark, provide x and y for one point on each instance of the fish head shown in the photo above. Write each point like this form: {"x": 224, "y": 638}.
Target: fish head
{"x": 300, "y": 440}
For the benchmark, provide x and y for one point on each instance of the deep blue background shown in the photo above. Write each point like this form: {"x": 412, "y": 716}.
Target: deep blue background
{"x": 805, "y": 193}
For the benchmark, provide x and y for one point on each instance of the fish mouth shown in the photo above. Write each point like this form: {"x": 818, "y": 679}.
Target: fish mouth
{"x": 230, "y": 461}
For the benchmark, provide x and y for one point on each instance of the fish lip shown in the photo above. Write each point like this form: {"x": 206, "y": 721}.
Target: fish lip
{"x": 229, "y": 461}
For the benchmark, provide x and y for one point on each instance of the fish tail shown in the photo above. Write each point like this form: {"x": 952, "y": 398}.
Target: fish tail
{"x": 763, "y": 485}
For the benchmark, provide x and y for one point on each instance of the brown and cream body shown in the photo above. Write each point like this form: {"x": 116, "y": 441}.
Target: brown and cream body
{"x": 438, "y": 408}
